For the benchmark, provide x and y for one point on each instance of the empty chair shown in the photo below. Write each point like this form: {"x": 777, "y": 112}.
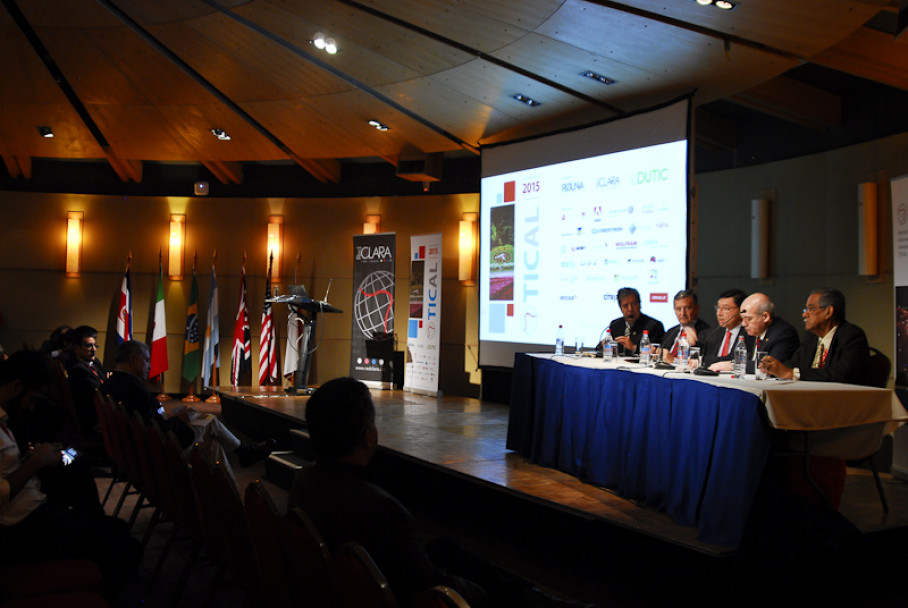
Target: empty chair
{"x": 264, "y": 522}
{"x": 440, "y": 596}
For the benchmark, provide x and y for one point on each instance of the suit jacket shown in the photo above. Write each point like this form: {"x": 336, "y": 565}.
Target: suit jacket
{"x": 700, "y": 326}
{"x": 130, "y": 391}
{"x": 655, "y": 328}
{"x": 780, "y": 342}
{"x": 709, "y": 349}
{"x": 846, "y": 360}
{"x": 83, "y": 382}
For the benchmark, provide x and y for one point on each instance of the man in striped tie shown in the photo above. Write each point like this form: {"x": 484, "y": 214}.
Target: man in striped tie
{"x": 834, "y": 350}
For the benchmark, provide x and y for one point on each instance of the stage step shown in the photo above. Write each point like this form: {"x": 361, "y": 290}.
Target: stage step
{"x": 281, "y": 467}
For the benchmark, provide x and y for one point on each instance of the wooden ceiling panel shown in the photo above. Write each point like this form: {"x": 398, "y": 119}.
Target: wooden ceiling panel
{"x": 370, "y": 50}
{"x": 19, "y": 124}
{"x": 67, "y": 14}
{"x": 869, "y": 54}
{"x": 803, "y": 27}
{"x": 303, "y": 130}
{"x": 242, "y": 64}
{"x": 23, "y": 78}
{"x": 168, "y": 11}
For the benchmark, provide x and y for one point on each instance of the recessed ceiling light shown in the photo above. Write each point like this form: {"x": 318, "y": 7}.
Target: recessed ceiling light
{"x": 319, "y": 41}
{"x": 330, "y": 46}
{"x": 725, "y": 5}
{"x": 221, "y": 134}
{"x": 323, "y": 43}
{"x": 378, "y": 125}
{"x": 599, "y": 77}
{"x": 46, "y": 132}
{"x": 527, "y": 100}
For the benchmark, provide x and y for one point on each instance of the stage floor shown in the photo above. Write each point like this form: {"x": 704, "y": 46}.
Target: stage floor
{"x": 466, "y": 437}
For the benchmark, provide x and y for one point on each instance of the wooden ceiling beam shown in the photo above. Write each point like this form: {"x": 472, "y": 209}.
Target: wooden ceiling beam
{"x": 324, "y": 170}
{"x": 225, "y": 171}
{"x": 869, "y": 54}
{"x": 18, "y": 166}
{"x": 794, "y": 101}
{"x": 126, "y": 170}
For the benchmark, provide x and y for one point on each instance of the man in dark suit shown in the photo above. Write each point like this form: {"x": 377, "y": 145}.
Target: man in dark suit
{"x": 833, "y": 351}
{"x": 772, "y": 335}
{"x": 628, "y": 328}
{"x": 85, "y": 374}
{"x": 718, "y": 348}
{"x": 687, "y": 311}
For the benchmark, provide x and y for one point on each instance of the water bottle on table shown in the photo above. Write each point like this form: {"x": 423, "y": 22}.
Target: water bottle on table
{"x": 739, "y": 366}
{"x": 559, "y": 340}
{"x": 683, "y": 351}
{"x": 645, "y": 348}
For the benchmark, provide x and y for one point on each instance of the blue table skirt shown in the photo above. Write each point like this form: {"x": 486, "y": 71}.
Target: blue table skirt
{"x": 690, "y": 449}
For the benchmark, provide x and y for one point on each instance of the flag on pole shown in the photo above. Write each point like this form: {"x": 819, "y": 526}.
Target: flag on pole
{"x": 212, "y": 357}
{"x": 191, "y": 339}
{"x": 159, "y": 332}
{"x": 124, "y": 310}
{"x": 241, "y": 358}
{"x": 267, "y": 347}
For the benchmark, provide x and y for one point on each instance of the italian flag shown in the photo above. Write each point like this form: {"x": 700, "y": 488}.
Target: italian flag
{"x": 159, "y": 333}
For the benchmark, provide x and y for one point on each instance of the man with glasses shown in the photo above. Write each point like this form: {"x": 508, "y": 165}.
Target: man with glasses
{"x": 85, "y": 374}
{"x": 719, "y": 346}
{"x": 833, "y": 351}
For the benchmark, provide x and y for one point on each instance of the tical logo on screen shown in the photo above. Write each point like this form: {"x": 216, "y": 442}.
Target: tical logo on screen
{"x": 658, "y": 298}
{"x": 510, "y": 192}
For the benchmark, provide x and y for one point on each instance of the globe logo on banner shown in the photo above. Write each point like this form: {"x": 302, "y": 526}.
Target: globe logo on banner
{"x": 373, "y": 306}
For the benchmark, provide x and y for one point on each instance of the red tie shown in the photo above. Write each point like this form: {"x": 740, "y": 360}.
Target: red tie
{"x": 724, "y": 350}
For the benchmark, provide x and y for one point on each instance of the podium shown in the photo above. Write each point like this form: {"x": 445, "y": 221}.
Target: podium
{"x": 299, "y": 301}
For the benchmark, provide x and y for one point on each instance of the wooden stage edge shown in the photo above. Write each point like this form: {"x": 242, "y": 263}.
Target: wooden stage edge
{"x": 466, "y": 438}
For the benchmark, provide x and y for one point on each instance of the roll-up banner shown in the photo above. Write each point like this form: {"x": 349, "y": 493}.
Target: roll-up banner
{"x": 372, "y": 338}
{"x": 424, "y": 324}
{"x": 899, "y": 186}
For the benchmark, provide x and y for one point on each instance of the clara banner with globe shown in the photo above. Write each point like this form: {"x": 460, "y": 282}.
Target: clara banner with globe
{"x": 424, "y": 324}
{"x": 372, "y": 343}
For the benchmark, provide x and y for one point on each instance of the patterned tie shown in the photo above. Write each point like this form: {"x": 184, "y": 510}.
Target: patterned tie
{"x": 724, "y": 350}
{"x": 820, "y": 357}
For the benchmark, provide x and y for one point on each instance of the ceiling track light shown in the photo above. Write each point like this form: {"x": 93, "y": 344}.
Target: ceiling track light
{"x": 725, "y": 5}
{"x": 381, "y": 127}
{"x": 598, "y": 77}
{"x": 221, "y": 134}
{"x": 527, "y": 100}
{"x": 322, "y": 43}
{"x": 46, "y": 132}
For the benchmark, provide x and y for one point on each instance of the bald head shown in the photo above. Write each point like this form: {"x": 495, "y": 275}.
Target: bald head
{"x": 756, "y": 313}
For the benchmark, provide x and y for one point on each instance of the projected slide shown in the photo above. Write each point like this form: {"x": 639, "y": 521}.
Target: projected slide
{"x": 559, "y": 241}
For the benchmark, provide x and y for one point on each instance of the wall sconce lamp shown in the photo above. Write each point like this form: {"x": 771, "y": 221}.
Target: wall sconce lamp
{"x": 275, "y": 244}
{"x": 467, "y": 249}
{"x": 177, "y": 246}
{"x": 868, "y": 229}
{"x": 74, "y": 243}
{"x": 372, "y": 224}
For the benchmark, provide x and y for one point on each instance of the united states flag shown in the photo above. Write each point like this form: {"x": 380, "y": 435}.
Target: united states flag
{"x": 267, "y": 349}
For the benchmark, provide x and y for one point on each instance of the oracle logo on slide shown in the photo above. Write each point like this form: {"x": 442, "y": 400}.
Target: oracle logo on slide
{"x": 660, "y": 298}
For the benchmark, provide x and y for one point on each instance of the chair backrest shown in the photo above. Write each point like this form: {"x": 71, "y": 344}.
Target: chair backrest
{"x": 209, "y": 510}
{"x": 358, "y": 580}
{"x": 130, "y": 460}
{"x": 184, "y": 506}
{"x": 878, "y": 369}
{"x": 144, "y": 470}
{"x": 104, "y": 411}
{"x": 440, "y": 596}
{"x": 264, "y": 522}
{"x": 308, "y": 561}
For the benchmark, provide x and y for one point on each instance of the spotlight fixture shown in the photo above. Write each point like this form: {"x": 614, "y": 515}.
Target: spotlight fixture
{"x": 221, "y": 134}
{"x": 322, "y": 43}
{"x": 725, "y": 5}
{"x": 524, "y": 99}
{"x": 46, "y": 132}
{"x": 378, "y": 125}
{"x": 599, "y": 77}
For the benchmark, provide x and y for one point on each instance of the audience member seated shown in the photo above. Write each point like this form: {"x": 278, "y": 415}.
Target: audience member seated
{"x": 687, "y": 311}
{"x": 126, "y": 386}
{"x": 339, "y": 494}
{"x": 38, "y": 523}
{"x": 627, "y": 330}
{"x": 57, "y": 343}
{"x": 85, "y": 374}
{"x": 772, "y": 335}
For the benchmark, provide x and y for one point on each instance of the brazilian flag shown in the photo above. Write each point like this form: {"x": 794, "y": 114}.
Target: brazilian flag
{"x": 191, "y": 360}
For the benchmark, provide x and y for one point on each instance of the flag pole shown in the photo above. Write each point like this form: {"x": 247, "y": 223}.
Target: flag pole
{"x": 191, "y": 397}
{"x": 214, "y": 360}
{"x": 163, "y": 396}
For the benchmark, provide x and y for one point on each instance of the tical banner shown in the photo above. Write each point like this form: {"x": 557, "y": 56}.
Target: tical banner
{"x": 424, "y": 324}
{"x": 372, "y": 339}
